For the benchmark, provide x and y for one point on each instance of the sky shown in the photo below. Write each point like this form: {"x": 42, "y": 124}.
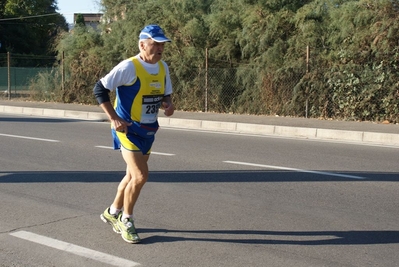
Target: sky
{"x": 68, "y": 7}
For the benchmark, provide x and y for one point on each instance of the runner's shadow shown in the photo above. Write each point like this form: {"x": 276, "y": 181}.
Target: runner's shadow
{"x": 308, "y": 238}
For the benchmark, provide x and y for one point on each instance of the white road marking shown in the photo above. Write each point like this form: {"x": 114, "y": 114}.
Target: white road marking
{"x": 155, "y": 153}
{"x": 162, "y": 154}
{"x": 74, "y": 249}
{"x": 294, "y": 169}
{"x": 27, "y": 137}
{"x": 106, "y": 147}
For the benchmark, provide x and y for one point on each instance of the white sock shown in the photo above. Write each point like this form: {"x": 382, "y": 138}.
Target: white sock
{"x": 113, "y": 210}
{"x": 124, "y": 216}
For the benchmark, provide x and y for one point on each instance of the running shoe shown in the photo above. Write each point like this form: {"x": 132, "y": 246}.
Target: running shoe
{"x": 127, "y": 230}
{"x": 111, "y": 219}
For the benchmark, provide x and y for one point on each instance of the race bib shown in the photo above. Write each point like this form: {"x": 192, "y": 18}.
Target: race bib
{"x": 150, "y": 108}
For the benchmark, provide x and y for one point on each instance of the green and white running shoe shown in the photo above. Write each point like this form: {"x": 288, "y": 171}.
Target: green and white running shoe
{"x": 111, "y": 219}
{"x": 127, "y": 230}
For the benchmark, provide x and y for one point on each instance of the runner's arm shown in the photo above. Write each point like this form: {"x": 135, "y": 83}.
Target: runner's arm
{"x": 102, "y": 95}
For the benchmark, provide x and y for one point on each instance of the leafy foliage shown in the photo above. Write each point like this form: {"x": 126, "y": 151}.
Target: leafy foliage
{"x": 83, "y": 64}
{"x": 80, "y": 21}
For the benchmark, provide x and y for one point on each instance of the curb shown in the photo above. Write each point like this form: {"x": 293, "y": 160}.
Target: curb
{"x": 57, "y": 113}
{"x": 285, "y": 131}
{"x": 231, "y": 127}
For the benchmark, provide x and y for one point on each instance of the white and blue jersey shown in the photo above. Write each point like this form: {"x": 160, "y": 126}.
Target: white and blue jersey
{"x": 140, "y": 88}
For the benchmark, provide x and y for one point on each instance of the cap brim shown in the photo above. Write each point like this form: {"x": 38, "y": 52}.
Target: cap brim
{"x": 161, "y": 39}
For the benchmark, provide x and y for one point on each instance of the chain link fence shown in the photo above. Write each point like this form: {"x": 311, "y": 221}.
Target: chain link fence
{"x": 233, "y": 90}
{"x": 15, "y": 81}
{"x": 18, "y": 72}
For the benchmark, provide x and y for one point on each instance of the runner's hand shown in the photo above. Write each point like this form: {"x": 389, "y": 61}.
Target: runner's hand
{"x": 168, "y": 108}
{"x": 120, "y": 125}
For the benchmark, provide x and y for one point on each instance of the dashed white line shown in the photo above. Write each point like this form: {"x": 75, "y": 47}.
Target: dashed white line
{"x": 152, "y": 152}
{"x": 28, "y": 137}
{"x": 294, "y": 169}
{"x": 74, "y": 249}
{"x": 106, "y": 147}
{"x": 162, "y": 154}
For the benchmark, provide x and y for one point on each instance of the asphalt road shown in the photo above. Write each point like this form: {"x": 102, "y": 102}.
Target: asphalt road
{"x": 213, "y": 199}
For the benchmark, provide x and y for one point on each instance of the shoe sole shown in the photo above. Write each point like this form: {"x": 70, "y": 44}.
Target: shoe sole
{"x": 131, "y": 241}
{"x": 127, "y": 240}
{"x": 110, "y": 223}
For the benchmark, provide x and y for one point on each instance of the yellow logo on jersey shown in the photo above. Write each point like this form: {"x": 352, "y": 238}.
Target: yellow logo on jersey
{"x": 155, "y": 85}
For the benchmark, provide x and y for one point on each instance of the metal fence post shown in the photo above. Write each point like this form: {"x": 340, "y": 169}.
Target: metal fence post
{"x": 206, "y": 79}
{"x": 62, "y": 71}
{"x": 307, "y": 89}
{"x": 9, "y": 75}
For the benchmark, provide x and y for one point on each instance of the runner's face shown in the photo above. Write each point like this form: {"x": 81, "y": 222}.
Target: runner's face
{"x": 152, "y": 51}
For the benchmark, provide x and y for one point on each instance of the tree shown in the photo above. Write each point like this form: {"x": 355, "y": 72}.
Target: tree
{"x": 83, "y": 62}
{"x": 80, "y": 21}
{"x": 2, "y": 30}
{"x": 33, "y": 20}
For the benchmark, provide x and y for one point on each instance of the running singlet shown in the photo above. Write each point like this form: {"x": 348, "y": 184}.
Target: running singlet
{"x": 140, "y": 101}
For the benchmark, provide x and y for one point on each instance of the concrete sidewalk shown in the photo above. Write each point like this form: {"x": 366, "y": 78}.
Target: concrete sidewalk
{"x": 362, "y": 132}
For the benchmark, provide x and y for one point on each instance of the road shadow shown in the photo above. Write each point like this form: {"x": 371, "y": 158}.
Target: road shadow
{"x": 226, "y": 176}
{"x": 308, "y": 238}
